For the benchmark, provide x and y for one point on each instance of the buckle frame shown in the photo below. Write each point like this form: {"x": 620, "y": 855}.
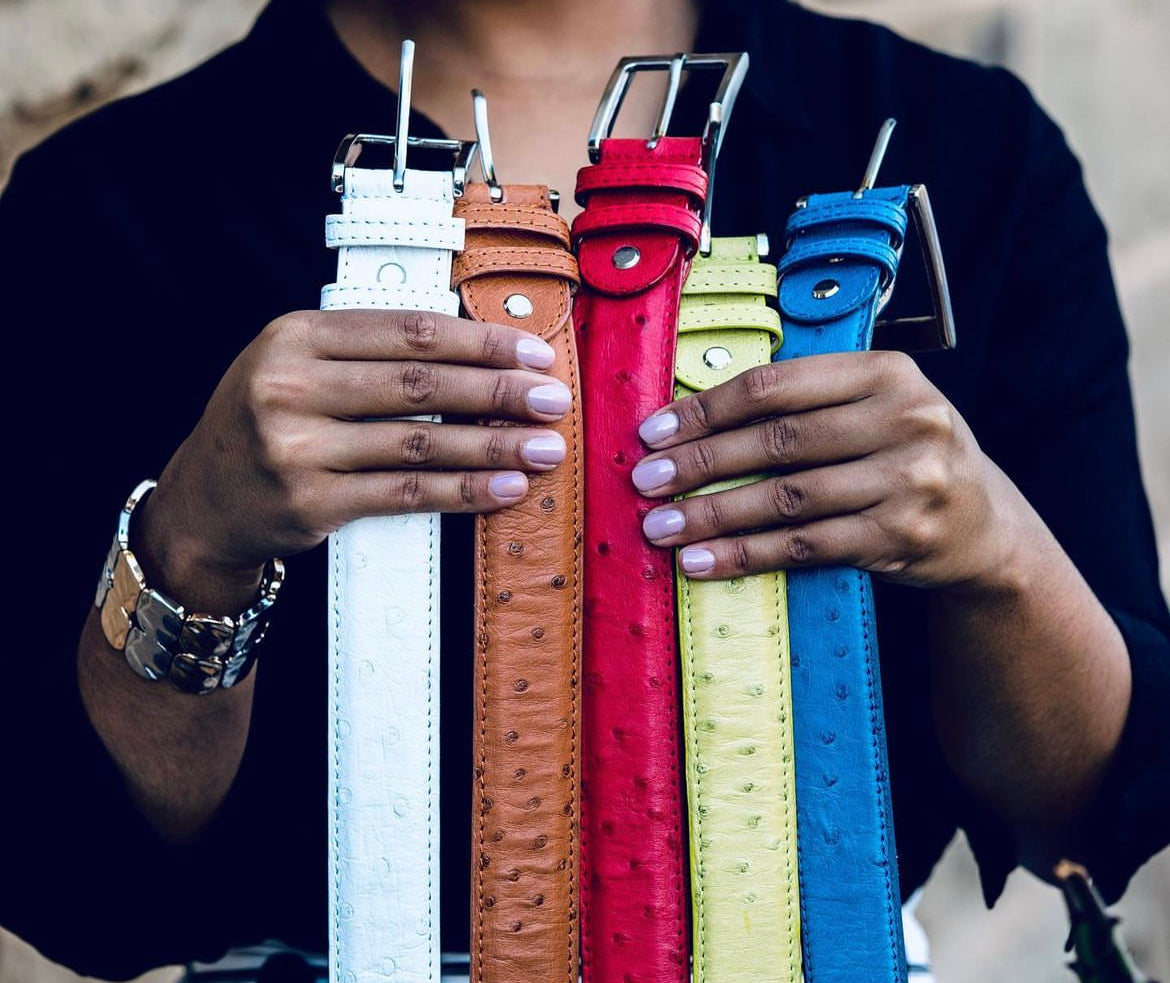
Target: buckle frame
{"x": 930, "y": 331}
{"x": 734, "y": 65}
{"x": 351, "y": 147}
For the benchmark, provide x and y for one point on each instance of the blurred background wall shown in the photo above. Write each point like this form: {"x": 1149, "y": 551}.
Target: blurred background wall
{"x": 1101, "y": 67}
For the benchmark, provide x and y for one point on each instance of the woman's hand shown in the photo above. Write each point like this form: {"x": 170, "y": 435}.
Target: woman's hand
{"x": 869, "y": 466}
{"x": 298, "y": 438}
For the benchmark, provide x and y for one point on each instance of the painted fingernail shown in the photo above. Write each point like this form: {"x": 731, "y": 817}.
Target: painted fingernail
{"x": 662, "y": 523}
{"x": 510, "y": 484}
{"x": 653, "y": 474}
{"x": 659, "y": 427}
{"x": 534, "y": 353}
{"x": 695, "y": 559}
{"x": 553, "y": 398}
{"x": 547, "y": 449}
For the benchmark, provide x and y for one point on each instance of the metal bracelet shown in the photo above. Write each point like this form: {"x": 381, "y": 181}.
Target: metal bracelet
{"x": 196, "y": 652}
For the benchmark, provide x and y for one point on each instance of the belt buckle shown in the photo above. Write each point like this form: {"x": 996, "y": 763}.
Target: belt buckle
{"x": 351, "y": 147}
{"x": 930, "y": 331}
{"x": 935, "y": 330}
{"x": 734, "y": 66}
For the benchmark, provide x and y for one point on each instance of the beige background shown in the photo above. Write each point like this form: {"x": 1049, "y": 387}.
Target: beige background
{"x": 1102, "y": 67}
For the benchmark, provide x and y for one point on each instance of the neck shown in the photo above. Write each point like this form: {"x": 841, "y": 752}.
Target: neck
{"x": 512, "y": 43}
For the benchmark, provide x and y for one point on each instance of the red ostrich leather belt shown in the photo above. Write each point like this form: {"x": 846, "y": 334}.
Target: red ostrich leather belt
{"x": 640, "y": 226}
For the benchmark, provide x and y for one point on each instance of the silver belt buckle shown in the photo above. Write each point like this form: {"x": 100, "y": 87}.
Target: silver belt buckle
{"x": 734, "y": 66}
{"x": 351, "y": 147}
{"x": 930, "y": 331}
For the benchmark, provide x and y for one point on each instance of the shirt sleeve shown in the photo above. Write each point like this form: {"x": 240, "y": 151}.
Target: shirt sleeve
{"x": 85, "y": 879}
{"x": 1055, "y": 412}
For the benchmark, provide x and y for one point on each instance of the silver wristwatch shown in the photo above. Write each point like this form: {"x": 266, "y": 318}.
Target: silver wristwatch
{"x": 198, "y": 653}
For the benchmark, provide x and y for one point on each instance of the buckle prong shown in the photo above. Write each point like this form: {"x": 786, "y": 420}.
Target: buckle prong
{"x": 668, "y": 100}
{"x": 402, "y": 124}
{"x": 880, "y": 146}
{"x": 483, "y": 136}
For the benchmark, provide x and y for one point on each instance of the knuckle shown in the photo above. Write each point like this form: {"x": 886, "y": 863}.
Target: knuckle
{"x": 411, "y": 491}
{"x": 693, "y": 413}
{"x": 931, "y": 418}
{"x": 702, "y": 460}
{"x": 786, "y": 498}
{"x": 468, "y": 490}
{"x": 495, "y": 347}
{"x": 919, "y": 535}
{"x": 283, "y": 450}
{"x": 895, "y": 366}
{"x": 418, "y": 446}
{"x": 739, "y": 556}
{"x": 928, "y": 476}
{"x": 495, "y": 446}
{"x": 711, "y": 512}
{"x": 799, "y": 549}
{"x": 420, "y": 381}
{"x": 295, "y": 327}
{"x": 502, "y": 395}
{"x": 759, "y": 382}
{"x": 273, "y": 388}
{"x": 780, "y": 439}
{"x": 419, "y": 330}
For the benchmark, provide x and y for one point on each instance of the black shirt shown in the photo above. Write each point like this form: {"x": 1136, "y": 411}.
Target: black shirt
{"x": 144, "y": 246}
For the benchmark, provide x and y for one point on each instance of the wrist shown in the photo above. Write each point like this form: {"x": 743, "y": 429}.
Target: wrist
{"x": 1005, "y": 553}
{"x": 185, "y": 565}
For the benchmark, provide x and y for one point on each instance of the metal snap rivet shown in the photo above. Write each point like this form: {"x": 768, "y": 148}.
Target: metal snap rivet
{"x": 717, "y": 357}
{"x": 826, "y": 289}
{"x": 625, "y": 257}
{"x": 518, "y": 305}
{"x": 391, "y": 273}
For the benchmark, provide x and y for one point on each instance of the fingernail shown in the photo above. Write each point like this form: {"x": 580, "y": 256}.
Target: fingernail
{"x": 510, "y": 484}
{"x": 659, "y": 427}
{"x": 548, "y": 449}
{"x": 662, "y": 523}
{"x": 653, "y": 474}
{"x": 695, "y": 559}
{"x": 553, "y": 398}
{"x": 534, "y": 353}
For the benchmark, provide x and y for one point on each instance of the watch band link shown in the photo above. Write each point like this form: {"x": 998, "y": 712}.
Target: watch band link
{"x": 835, "y": 277}
{"x": 736, "y": 695}
{"x": 516, "y": 269}
{"x": 640, "y": 226}
{"x": 394, "y": 251}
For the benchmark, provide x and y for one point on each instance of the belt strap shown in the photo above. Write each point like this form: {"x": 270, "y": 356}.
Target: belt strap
{"x": 524, "y": 838}
{"x": 384, "y": 629}
{"x": 737, "y": 703}
{"x": 633, "y": 261}
{"x": 829, "y": 298}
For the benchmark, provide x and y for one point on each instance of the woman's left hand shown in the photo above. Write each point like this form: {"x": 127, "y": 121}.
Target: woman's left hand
{"x": 868, "y": 466}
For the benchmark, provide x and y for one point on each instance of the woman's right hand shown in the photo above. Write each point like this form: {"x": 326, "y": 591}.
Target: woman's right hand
{"x": 296, "y": 440}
